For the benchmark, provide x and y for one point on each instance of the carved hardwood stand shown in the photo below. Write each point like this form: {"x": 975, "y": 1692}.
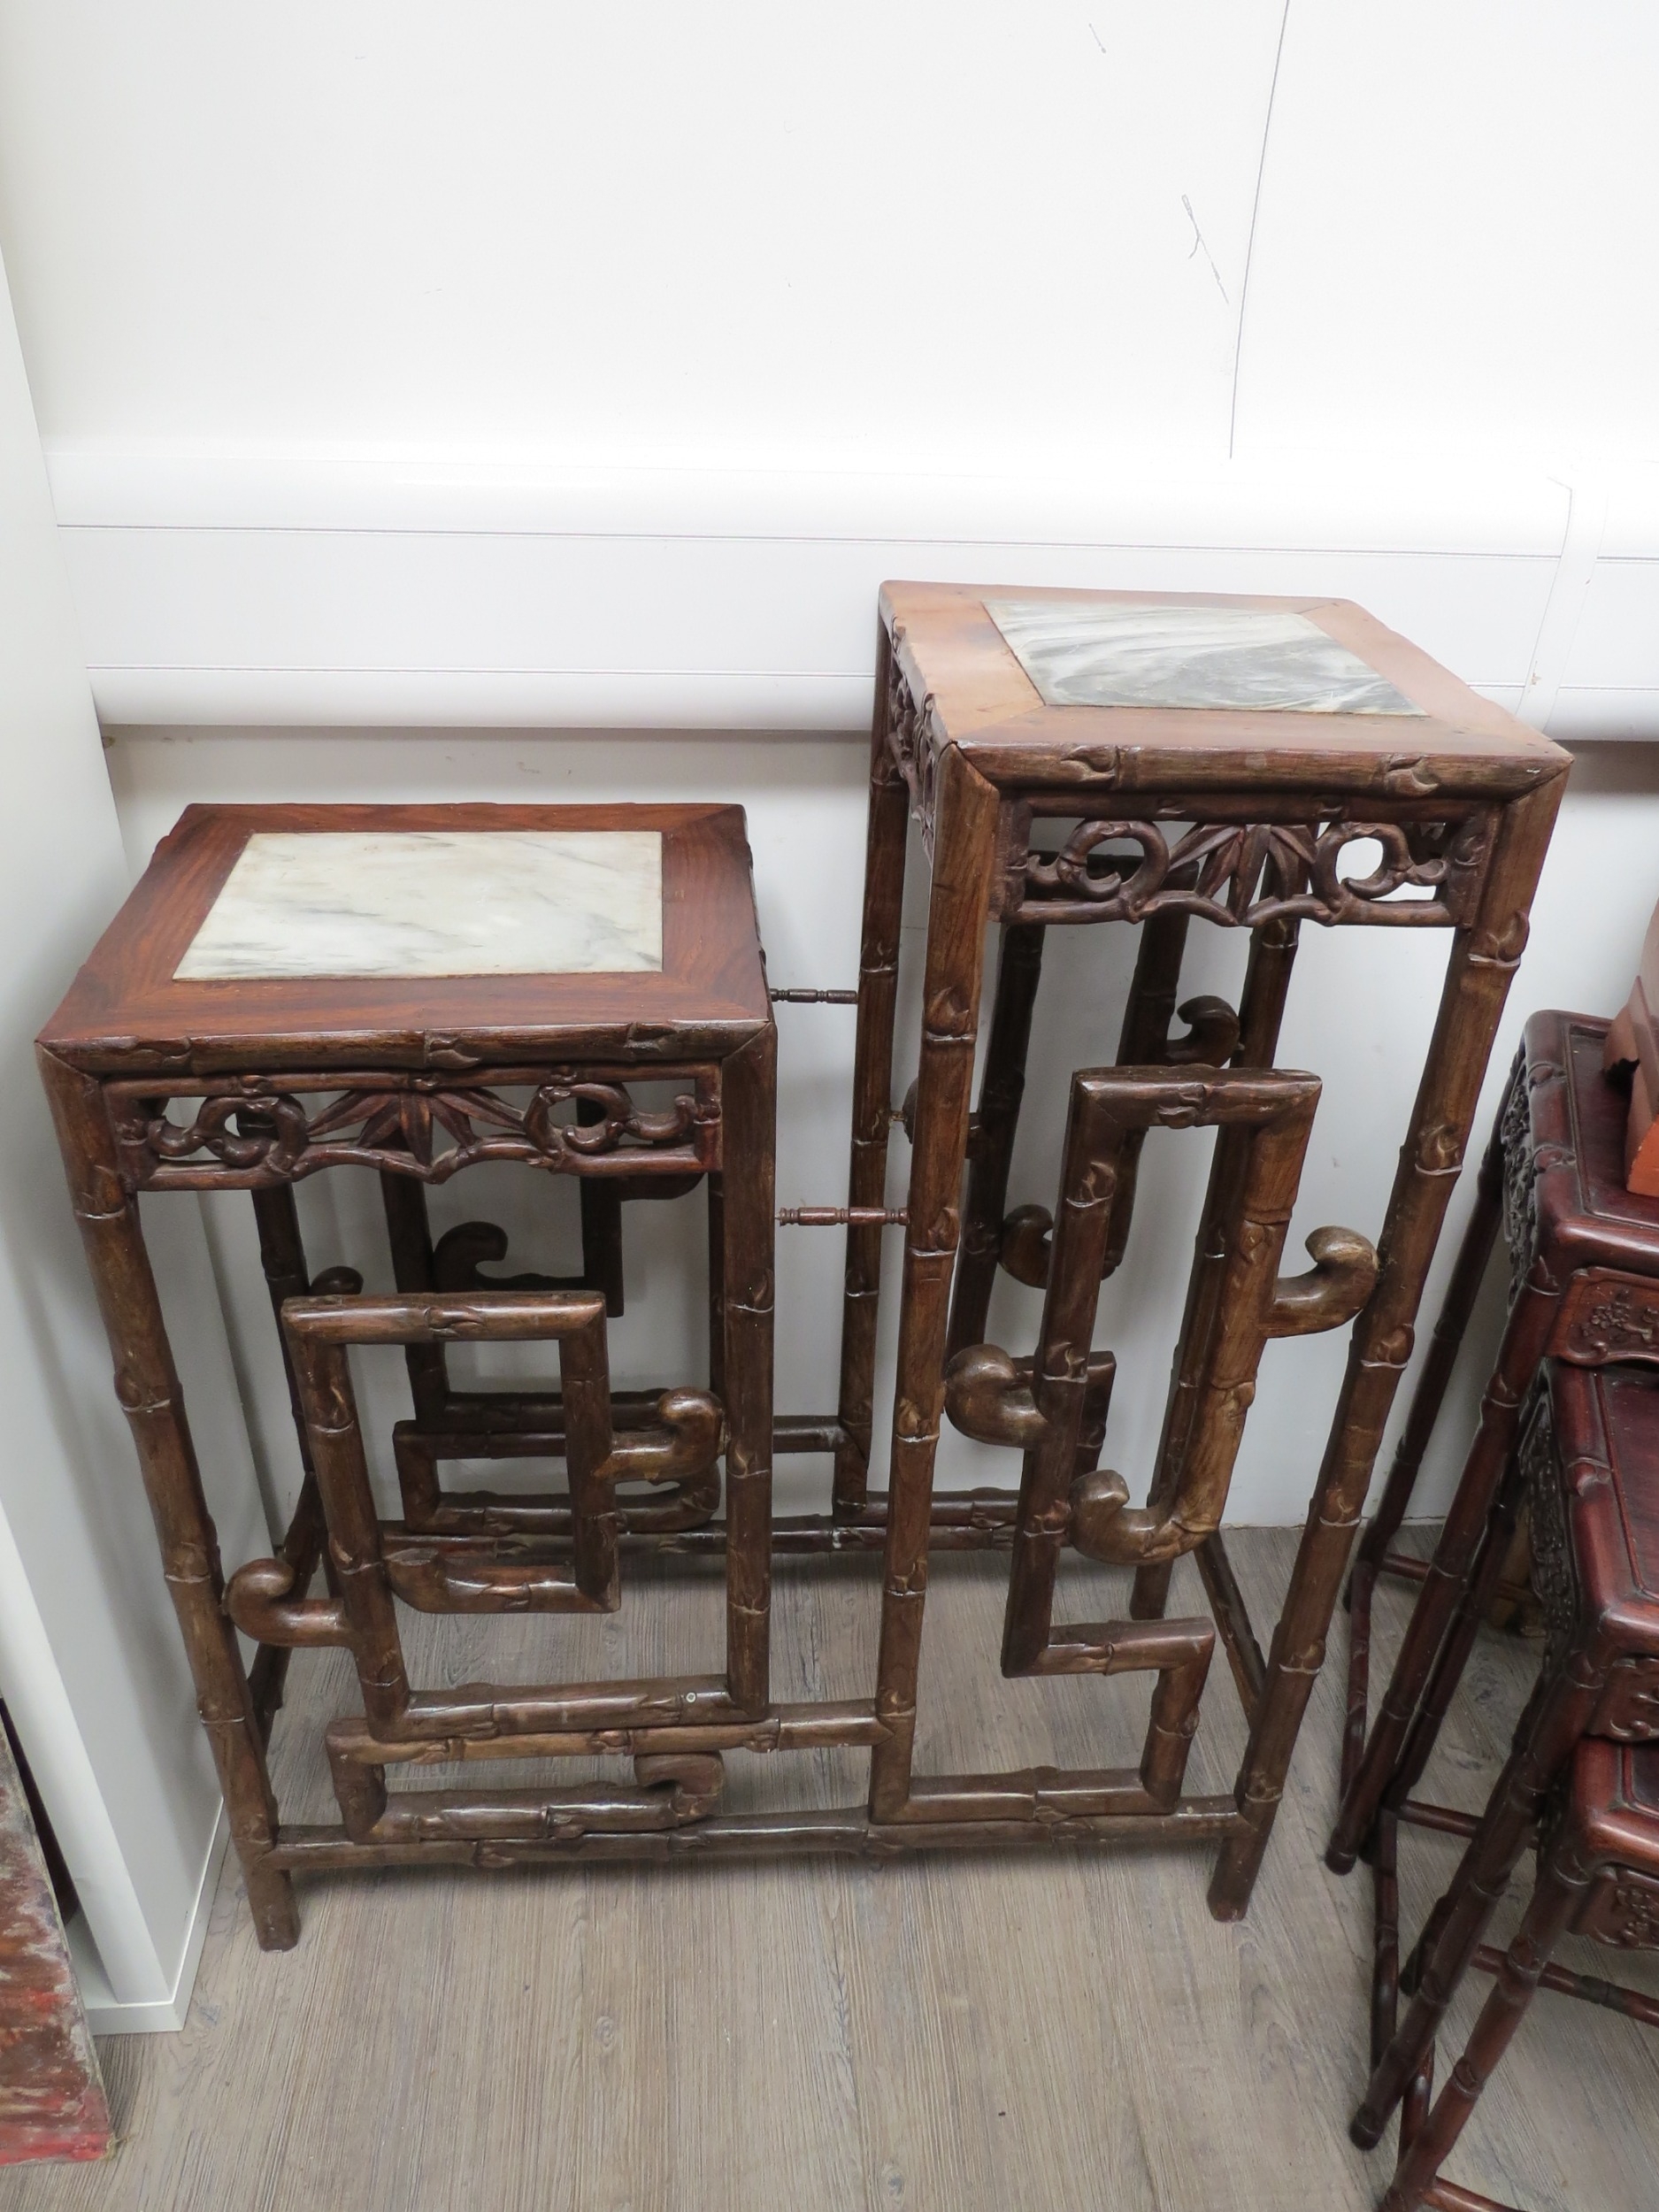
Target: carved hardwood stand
{"x": 1240, "y": 817}
{"x": 168, "y": 1073}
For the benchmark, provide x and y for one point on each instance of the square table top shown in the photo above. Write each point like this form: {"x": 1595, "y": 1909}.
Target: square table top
{"x": 1172, "y": 691}
{"x": 442, "y": 936}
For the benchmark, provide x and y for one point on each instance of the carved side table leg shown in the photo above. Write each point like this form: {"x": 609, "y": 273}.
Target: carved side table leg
{"x": 410, "y": 1231}
{"x": 1467, "y": 1273}
{"x": 873, "y": 1095}
{"x": 1000, "y": 1089}
{"x": 148, "y": 1388}
{"x": 1556, "y": 1716}
{"x": 282, "y": 1253}
{"x": 747, "y": 1115}
{"x": 1530, "y": 1322}
{"x": 1482, "y": 966}
{"x": 963, "y": 843}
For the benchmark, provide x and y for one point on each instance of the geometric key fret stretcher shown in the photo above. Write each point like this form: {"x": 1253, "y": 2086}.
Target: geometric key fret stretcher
{"x": 1050, "y": 1406}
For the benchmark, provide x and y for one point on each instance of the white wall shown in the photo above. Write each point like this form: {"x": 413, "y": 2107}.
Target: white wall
{"x": 91, "y": 1664}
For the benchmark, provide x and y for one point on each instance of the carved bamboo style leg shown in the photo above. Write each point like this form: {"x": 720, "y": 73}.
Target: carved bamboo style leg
{"x": 964, "y": 837}
{"x": 1531, "y": 1322}
{"x": 1482, "y": 965}
{"x": 409, "y": 1230}
{"x": 1060, "y": 1376}
{"x": 1557, "y": 1716}
{"x": 749, "y": 1109}
{"x": 1480, "y": 1589}
{"x": 1469, "y": 1272}
{"x": 601, "y": 1204}
{"x": 873, "y": 1095}
{"x": 1142, "y": 1042}
{"x": 282, "y": 1255}
{"x": 354, "y": 1529}
{"x": 1261, "y": 1015}
{"x": 147, "y": 1386}
{"x": 1564, "y": 1877}
{"x": 1001, "y": 1090}
{"x": 717, "y": 1285}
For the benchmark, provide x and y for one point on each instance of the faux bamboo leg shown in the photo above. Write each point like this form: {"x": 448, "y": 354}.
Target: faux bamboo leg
{"x": 1531, "y": 1322}
{"x": 1261, "y": 1014}
{"x": 1000, "y": 1089}
{"x": 585, "y": 1396}
{"x": 1468, "y": 1273}
{"x": 748, "y": 1107}
{"x": 354, "y": 1526}
{"x": 1554, "y": 1722}
{"x": 1144, "y": 1042}
{"x": 600, "y": 1201}
{"x": 1482, "y": 966}
{"x": 964, "y": 836}
{"x": 1060, "y": 1378}
{"x": 282, "y": 1255}
{"x": 1480, "y": 1589}
{"x": 872, "y": 1096}
{"x": 716, "y": 1285}
{"x": 410, "y": 1231}
{"x": 148, "y": 1388}
{"x": 1562, "y": 1878}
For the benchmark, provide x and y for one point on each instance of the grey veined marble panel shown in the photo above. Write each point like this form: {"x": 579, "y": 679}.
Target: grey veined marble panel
{"x": 1084, "y": 654}
{"x": 413, "y": 902}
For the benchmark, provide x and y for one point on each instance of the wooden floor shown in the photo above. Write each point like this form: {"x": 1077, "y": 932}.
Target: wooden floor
{"x": 1057, "y": 2030}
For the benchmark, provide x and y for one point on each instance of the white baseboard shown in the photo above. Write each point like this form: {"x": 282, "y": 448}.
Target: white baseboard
{"x": 108, "y": 2015}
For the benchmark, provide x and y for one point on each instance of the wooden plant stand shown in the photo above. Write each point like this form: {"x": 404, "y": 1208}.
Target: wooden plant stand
{"x": 226, "y": 1035}
{"x": 275, "y": 1065}
{"x": 1275, "y": 734}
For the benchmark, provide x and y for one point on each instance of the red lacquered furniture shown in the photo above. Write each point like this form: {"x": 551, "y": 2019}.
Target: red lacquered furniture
{"x": 1584, "y": 1257}
{"x": 1589, "y": 1474}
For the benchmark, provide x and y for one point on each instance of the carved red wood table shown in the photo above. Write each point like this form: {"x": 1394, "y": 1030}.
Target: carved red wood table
{"x": 1076, "y": 757}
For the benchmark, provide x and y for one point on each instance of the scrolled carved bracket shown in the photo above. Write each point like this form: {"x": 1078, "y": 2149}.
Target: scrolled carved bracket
{"x": 461, "y": 1251}
{"x": 991, "y": 1397}
{"x": 1027, "y": 1246}
{"x": 1212, "y": 1034}
{"x": 988, "y": 1396}
{"x": 258, "y": 1599}
{"x": 1341, "y": 1279}
{"x": 695, "y": 1427}
{"x": 688, "y": 1783}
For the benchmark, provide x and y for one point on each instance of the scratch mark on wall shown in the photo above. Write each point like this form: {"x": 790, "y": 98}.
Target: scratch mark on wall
{"x": 1250, "y": 246}
{"x": 1199, "y": 246}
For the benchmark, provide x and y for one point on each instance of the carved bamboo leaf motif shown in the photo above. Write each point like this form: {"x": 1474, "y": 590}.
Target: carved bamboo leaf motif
{"x": 1246, "y": 874}
{"x": 250, "y": 1139}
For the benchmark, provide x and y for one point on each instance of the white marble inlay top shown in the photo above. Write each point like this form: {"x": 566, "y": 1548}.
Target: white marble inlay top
{"x": 414, "y": 902}
{"x": 1080, "y": 653}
